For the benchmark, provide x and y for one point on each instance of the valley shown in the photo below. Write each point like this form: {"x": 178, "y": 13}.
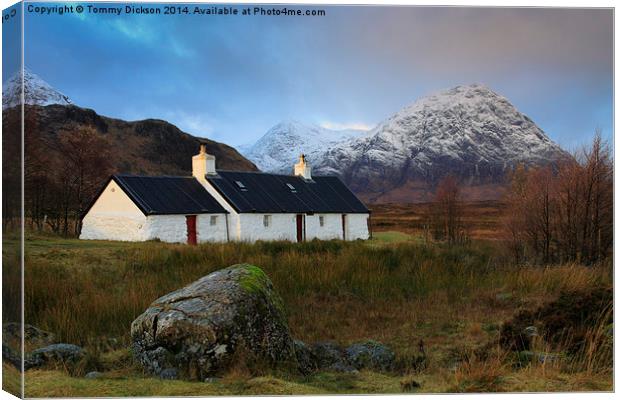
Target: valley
{"x": 482, "y": 219}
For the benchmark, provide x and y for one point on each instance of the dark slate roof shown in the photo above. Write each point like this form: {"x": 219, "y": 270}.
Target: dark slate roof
{"x": 168, "y": 194}
{"x": 270, "y": 193}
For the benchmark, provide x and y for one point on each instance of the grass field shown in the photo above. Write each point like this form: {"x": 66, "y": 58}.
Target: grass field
{"x": 394, "y": 289}
{"x": 480, "y": 219}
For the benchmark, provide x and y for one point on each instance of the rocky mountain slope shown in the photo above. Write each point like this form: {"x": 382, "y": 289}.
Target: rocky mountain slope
{"x": 467, "y": 131}
{"x": 280, "y": 147}
{"x": 36, "y": 91}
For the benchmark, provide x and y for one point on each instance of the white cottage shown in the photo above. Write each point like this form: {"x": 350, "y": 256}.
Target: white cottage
{"x": 217, "y": 205}
{"x": 168, "y": 208}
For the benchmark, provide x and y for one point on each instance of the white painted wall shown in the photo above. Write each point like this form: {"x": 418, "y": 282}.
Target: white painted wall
{"x": 331, "y": 229}
{"x": 249, "y": 227}
{"x": 173, "y": 228}
{"x": 211, "y": 233}
{"x": 356, "y": 226}
{"x": 282, "y": 227}
{"x": 234, "y": 227}
{"x": 114, "y": 217}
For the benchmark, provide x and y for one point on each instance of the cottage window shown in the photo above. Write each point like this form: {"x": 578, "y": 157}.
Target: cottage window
{"x": 266, "y": 220}
{"x": 213, "y": 220}
{"x": 321, "y": 220}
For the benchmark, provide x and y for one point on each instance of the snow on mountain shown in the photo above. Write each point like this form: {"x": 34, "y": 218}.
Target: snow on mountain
{"x": 279, "y": 149}
{"x": 36, "y": 91}
{"x": 468, "y": 131}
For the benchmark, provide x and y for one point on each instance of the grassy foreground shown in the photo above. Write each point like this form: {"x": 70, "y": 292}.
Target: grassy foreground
{"x": 393, "y": 289}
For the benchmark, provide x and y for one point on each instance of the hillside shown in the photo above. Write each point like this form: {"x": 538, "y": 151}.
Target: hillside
{"x": 152, "y": 147}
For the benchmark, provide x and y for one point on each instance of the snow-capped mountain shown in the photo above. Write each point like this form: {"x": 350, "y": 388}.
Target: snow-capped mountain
{"x": 36, "y": 91}
{"x": 279, "y": 149}
{"x": 468, "y": 131}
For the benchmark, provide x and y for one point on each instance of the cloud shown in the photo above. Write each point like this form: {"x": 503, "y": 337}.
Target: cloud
{"x": 196, "y": 124}
{"x": 133, "y": 30}
{"x": 347, "y": 70}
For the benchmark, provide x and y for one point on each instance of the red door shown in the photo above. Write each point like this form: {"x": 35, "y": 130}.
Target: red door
{"x": 300, "y": 228}
{"x": 191, "y": 229}
{"x": 344, "y": 227}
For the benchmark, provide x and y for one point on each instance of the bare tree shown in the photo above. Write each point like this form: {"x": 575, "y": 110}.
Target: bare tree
{"x": 446, "y": 212}
{"x": 87, "y": 164}
{"x": 62, "y": 175}
{"x": 565, "y": 214}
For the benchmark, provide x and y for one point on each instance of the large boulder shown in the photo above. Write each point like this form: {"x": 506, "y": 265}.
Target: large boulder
{"x": 201, "y": 329}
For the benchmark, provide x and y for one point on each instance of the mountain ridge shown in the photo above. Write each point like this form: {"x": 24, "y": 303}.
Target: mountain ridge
{"x": 468, "y": 131}
{"x": 279, "y": 148}
{"x": 149, "y": 146}
{"x": 36, "y": 91}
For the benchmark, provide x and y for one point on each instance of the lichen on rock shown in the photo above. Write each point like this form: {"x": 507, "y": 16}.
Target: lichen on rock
{"x": 198, "y": 329}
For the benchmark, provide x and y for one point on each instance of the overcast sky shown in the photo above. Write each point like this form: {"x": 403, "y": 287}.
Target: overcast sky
{"x": 232, "y": 78}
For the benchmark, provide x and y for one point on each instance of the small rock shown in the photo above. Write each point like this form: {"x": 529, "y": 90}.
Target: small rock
{"x": 60, "y": 352}
{"x": 331, "y": 357}
{"x": 530, "y": 331}
{"x": 328, "y": 354}
{"x": 33, "y": 336}
{"x": 12, "y": 357}
{"x": 169, "y": 374}
{"x": 306, "y": 359}
{"x": 93, "y": 375}
{"x": 343, "y": 368}
{"x": 212, "y": 380}
{"x": 371, "y": 355}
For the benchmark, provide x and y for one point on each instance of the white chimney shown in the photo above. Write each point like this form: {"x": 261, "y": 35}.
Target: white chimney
{"x": 302, "y": 168}
{"x": 203, "y": 163}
